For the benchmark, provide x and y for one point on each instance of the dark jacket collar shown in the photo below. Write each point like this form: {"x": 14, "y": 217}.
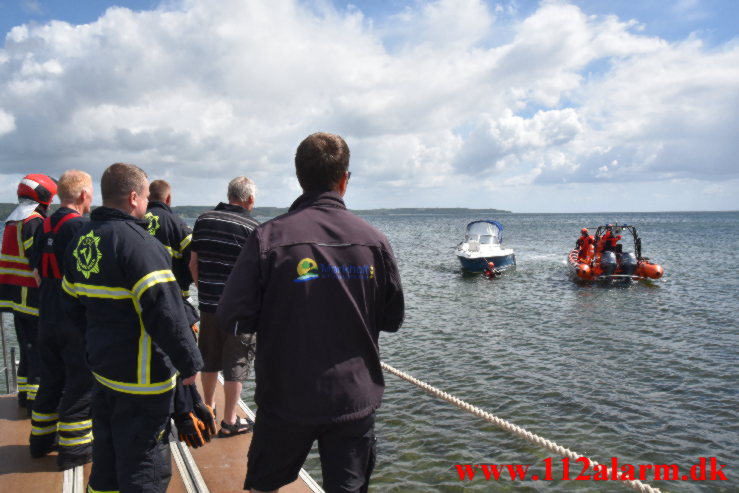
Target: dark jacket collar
{"x": 63, "y": 211}
{"x": 157, "y": 203}
{"x": 318, "y": 199}
{"x": 110, "y": 214}
{"x": 223, "y": 206}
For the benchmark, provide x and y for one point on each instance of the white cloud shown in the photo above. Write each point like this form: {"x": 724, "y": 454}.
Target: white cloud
{"x": 7, "y": 123}
{"x": 200, "y": 91}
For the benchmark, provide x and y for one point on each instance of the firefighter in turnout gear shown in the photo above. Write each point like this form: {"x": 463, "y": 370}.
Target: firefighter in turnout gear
{"x": 120, "y": 285}
{"x": 18, "y": 285}
{"x": 171, "y": 231}
{"x": 62, "y": 405}
{"x": 176, "y": 236}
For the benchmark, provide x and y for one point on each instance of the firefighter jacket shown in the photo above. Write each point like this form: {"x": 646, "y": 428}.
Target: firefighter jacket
{"x": 317, "y": 285}
{"x": 47, "y": 256}
{"x": 176, "y": 236}
{"x": 119, "y": 283}
{"x": 18, "y": 288}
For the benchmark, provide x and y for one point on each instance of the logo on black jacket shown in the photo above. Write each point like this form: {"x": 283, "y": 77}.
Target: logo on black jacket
{"x": 153, "y": 223}
{"x": 88, "y": 254}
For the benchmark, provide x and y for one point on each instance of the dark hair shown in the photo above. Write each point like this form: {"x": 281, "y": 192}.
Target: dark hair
{"x": 320, "y": 161}
{"x": 118, "y": 181}
{"x": 158, "y": 190}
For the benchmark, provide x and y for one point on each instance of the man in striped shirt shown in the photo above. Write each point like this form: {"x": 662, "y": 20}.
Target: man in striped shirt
{"x": 217, "y": 239}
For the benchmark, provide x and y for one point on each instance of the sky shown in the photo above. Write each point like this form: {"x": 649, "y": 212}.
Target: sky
{"x": 529, "y": 106}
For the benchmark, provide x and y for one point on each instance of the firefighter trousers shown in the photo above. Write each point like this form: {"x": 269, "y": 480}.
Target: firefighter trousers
{"x": 29, "y": 370}
{"x": 131, "y": 450}
{"x": 62, "y": 407}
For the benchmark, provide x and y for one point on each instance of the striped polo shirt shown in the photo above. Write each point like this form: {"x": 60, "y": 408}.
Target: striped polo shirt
{"x": 217, "y": 238}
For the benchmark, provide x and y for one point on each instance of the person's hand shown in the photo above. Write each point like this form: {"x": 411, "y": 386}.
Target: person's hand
{"x": 189, "y": 380}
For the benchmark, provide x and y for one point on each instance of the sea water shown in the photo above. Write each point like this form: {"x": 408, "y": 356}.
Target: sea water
{"x": 644, "y": 372}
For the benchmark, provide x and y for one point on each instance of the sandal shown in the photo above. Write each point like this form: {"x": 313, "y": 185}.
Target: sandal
{"x": 239, "y": 427}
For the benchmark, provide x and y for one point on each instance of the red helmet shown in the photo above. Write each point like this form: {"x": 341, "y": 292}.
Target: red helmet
{"x": 491, "y": 265}
{"x": 584, "y": 231}
{"x": 39, "y": 188}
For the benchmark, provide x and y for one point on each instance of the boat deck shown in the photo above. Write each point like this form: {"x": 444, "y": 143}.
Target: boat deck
{"x": 219, "y": 467}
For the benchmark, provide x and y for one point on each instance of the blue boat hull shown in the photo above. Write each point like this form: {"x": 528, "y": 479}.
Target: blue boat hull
{"x": 480, "y": 264}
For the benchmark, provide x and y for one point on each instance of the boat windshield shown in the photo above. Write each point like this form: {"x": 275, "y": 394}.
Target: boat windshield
{"x": 487, "y": 233}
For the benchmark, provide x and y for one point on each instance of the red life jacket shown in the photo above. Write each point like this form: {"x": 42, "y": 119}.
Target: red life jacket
{"x": 49, "y": 263}
{"x": 14, "y": 266}
{"x": 584, "y": 242}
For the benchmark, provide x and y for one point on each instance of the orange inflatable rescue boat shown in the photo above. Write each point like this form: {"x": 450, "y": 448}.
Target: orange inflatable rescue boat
{"x": 602, "y": 257}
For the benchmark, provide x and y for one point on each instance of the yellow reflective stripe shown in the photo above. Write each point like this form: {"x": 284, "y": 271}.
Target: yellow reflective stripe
{"x": 70, "y": 442}
{"x": 172, "y": 252}
{"x": 92, "y": 291}
{"x": 151, "y": 279}
{"x": 28, "y": 243}
{"x": 22, "y": 379}
{"x": 185, "y": 242}
{"x": 144, "y": 360}
{"x": 26, "y": 309}
{"x": 138, "y": 388}
{"x": 91, "y": 490}
{"x": 18, "y": 307}
{"x": 32, "y": 387}
{"x": 16, "y": 272}
{"x": 43, "y": 430}
{"x": 44, "y": 416}
{"x": 12, "y": 258}
{"x": 185, "y": 293}
{"x": 75, "y": 426}
{"x": 69, "y": 287}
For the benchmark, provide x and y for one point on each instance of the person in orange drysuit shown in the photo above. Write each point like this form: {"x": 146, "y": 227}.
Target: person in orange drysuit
{"x": 584, "y": 244}
{"x": 491, "y": 272}
{"x": 609, "y": 240}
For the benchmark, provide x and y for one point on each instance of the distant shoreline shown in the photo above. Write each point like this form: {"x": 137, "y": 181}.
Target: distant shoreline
{"x": 193, "y": 211}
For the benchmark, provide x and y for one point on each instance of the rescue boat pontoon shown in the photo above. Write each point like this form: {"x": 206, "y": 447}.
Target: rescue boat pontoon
{"x": 611, "y": 265}
{"x": 482, "y": 244}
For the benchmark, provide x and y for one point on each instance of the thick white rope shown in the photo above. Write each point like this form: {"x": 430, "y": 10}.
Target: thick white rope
{"x": 514, "y": 430}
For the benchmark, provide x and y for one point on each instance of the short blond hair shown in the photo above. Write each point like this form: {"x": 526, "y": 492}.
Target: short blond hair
{"x": 71, "y": 184}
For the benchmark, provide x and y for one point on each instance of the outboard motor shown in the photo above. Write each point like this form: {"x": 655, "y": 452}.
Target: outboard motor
{"x": 628, "y": 263}
{"x": 608, "y": 263}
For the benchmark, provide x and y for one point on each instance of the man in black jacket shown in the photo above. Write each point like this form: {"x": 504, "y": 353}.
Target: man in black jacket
{"x": 121, "y": 289}
{"x": 317, "y": 285}
{"x": 171, "y": 231}
{"x": 61, "y": 412}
